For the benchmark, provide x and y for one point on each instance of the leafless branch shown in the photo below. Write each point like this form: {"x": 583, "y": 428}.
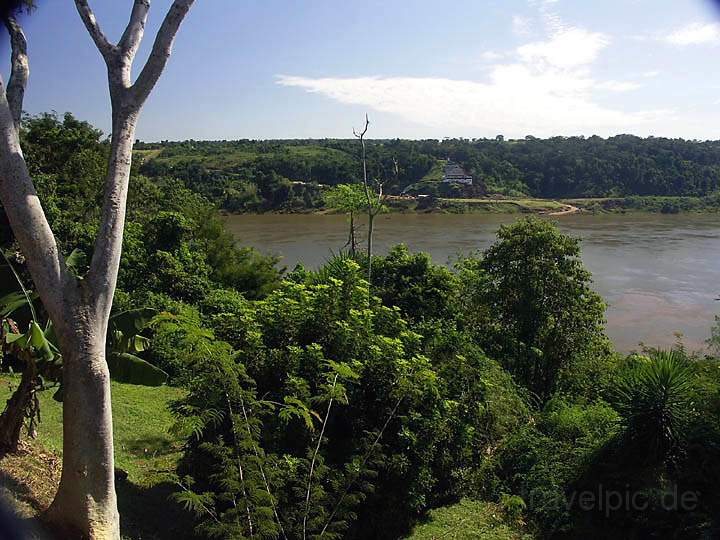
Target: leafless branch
{"x": 162, "y": 47}
{"x": 358, "y": 471}
{"x": 262, "y": 469}
{"x": 131, "y": 38}
{"x": 239, "y": 465}
{"x": 366, "y": 187}
{"x": 207, "y": 510}
{"x": 361, "y": 135}
{"x": 127, "y": 100}
{"x": 106, "y": 48}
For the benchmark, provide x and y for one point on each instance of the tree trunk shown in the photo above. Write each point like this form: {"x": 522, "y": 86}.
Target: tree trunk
{"x": 85, "y": 505}
{"x": 351, "y": 240}
{"x": 13, "y": 418}
{"x": 371, "y": 222}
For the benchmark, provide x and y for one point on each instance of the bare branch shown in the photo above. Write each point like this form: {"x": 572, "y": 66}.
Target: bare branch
{"x": 358, "y": 471}
{"x": 361, "y": 135}
{"x": 106, "y": 48}
{"x": 131, "y": 38}
{"x": 161, "y": 50}
{"x": 371, "y": 216}
{"x": 20, "y": 70}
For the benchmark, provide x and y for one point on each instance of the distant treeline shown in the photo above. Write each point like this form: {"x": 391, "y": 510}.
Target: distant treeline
{"x": 263, "y": 175}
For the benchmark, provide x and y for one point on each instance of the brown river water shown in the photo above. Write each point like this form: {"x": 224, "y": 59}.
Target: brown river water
{"x": 659, "y": 274}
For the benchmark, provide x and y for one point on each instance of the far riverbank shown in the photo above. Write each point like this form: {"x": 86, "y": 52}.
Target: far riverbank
{"x": 508, "y": 205}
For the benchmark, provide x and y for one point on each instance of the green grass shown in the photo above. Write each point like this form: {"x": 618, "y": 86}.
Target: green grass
{"x": 146, "y": 154}
{"x": 436, "y": 172}
{"x": 648, "y": 203}
{"x": 468, "y": 520}
{"x": 144, "y": 447}
{"x": 533, "y": 205}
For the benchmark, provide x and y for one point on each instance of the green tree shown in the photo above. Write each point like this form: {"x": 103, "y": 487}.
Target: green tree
{"x": 543, "y": 317}
{"x": 411, "y": 282}
{"x": 349, "y": 199}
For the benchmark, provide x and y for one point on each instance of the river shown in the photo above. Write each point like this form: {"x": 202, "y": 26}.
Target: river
{"x": 659, "y": 274}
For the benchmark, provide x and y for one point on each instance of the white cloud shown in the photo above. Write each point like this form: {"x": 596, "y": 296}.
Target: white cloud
{"x": 568, "y": 48}
{"x": 491, "y": 56}
{"x": 544, "y": 88}
{"x": 520, "y": 25}
{"x": 516, "y": 101}
{"x": 695, "y": 34}
{"x": 618, "y": 86}
{"x": 649, "y": 74}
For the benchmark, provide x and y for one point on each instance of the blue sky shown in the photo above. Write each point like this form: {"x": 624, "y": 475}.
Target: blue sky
{"x": 419, "y": 68}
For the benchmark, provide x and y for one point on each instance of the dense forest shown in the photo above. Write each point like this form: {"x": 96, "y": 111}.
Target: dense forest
{"x": 262, "y": 175}
{"x": 483, "y": 398}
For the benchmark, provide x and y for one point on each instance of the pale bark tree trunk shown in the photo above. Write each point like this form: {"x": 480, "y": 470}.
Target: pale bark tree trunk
{"x": 85, "y": 505}
{"x": 85, "y": 502}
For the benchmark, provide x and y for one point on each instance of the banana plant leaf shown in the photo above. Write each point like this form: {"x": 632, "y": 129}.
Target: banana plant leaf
{"x": 37, "y": 338}
{"x": 133, "y": 321}
{"x": 19, "y": 340}
{"x": 128, "y": 368}
{"x": 123, "y": 339}
{"x": 14, "y": 301}
{"x": 77, "y": 263}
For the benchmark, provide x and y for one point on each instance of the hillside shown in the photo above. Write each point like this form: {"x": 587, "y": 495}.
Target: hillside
{"x": 289, "y": 175}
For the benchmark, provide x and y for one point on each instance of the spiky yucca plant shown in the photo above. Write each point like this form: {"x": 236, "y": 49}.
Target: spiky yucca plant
{"x": 655, "y": 399}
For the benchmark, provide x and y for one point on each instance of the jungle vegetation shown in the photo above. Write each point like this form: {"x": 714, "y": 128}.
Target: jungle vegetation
{"x": 482, "y": 399}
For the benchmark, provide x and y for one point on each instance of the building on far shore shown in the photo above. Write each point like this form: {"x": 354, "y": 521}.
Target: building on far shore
{"x": 455, "y": 173}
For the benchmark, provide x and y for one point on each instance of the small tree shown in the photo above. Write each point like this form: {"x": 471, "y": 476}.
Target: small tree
{"x": 349, "y": 199}
{"x": 85, "y": 504}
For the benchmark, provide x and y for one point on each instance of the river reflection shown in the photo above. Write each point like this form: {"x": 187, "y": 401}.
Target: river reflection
{"x": 659, "y": 274}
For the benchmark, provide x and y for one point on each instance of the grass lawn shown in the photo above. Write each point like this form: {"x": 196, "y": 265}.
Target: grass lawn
{"x": 146, "y": 154}
{"x": 144, "y": 448}
{"x": 468, "y": 520}
{"x": 538, "y": 204}
{"x": 531, "y": 205}
{"x": 436, "y": 172}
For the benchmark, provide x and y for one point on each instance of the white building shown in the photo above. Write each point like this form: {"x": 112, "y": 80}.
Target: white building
{"x": 455, "y": 173}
